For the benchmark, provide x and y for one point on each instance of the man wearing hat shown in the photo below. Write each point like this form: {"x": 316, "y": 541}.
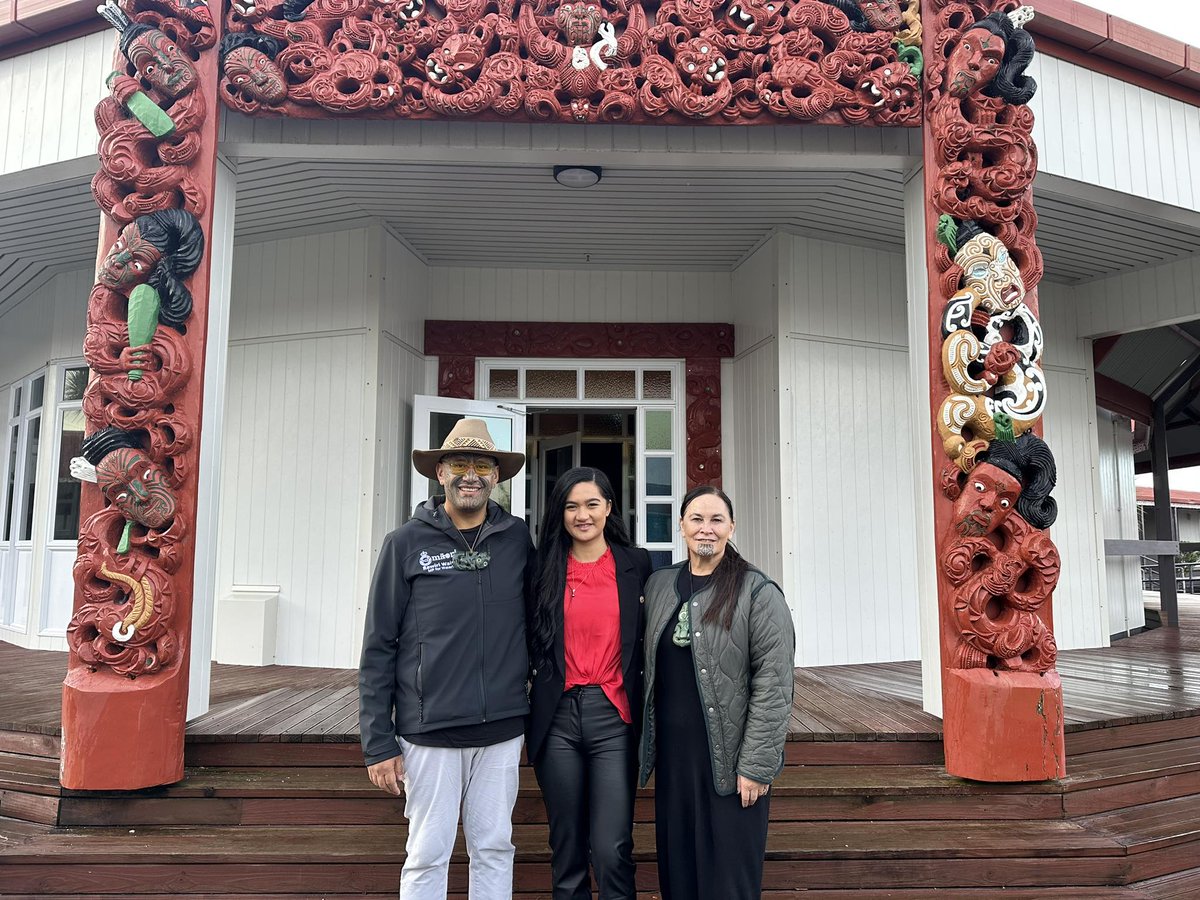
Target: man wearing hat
{"x": 444, "y": 663}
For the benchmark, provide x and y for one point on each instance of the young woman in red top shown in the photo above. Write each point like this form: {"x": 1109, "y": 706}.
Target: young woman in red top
{"x": 585, "y": 632}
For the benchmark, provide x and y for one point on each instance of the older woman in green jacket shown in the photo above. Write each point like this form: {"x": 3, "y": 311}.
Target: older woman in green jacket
{"x": 720, "y": 648}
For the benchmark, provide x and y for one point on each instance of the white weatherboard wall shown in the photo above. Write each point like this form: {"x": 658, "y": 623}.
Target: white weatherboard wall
{"x": 1080, "y": 614}
{"x": 47, "y": 98}
{"x": 750, "y": 413}
{"x": 48, "y": 325}
{"x": 402, "y": 373}
{"x": 1099, "y": 130}
{"x": 1160, "y": 295}
{"x": 847, "y": 475}
{"x": 572, "y": 295}
{"x": 1118, "y": 505}
{"x": 298, "y": 462}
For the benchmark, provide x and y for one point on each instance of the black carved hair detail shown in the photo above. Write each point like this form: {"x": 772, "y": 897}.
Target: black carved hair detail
{"x": 118, "y": 19}
{"x": 968, "y": 229}
{"x": 264, "y": 43}
{"x": 105, "y": 441}
{"x": 177, "y": 235}
{"x": 1011, "y": 84}
{"x": 293, "y": 10}
{"x": 1030, "y": 461}
{"x": 858, "y": 21}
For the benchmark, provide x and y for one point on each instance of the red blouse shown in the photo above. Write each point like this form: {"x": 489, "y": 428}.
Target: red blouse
{"x": 592, "y": 629}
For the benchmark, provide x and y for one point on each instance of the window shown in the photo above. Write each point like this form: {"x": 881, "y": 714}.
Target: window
{"x": 65, "y": 526}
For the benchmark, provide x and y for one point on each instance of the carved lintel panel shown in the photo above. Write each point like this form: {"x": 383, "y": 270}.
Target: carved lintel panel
{"x": 126, "y": 687}
{"x": 702, "y": 346}
{"x": 997, "y": 565}
{"x": 836, "y": 62}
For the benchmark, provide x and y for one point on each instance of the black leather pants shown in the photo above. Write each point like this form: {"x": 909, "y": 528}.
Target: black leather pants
{"x": 586, "y": 773}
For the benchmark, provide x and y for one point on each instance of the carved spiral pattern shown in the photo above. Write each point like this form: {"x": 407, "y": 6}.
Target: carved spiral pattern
{"x": 679, "y": 61}
{"x": 1001, "y": 570}
{"x": 132, "y": 549}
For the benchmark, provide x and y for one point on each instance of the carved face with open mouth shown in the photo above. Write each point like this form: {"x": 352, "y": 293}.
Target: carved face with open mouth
{"x": 455, "y": 61}
{"x": 700, "y": 63}
{"x": 990, "y": 271}
{"x": 753, "y": 17}
{"x": 891, "y": 86}
{"x": 137, "y": 487}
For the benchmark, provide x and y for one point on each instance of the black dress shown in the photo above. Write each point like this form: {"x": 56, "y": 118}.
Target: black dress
{"x": 709, "y": 847}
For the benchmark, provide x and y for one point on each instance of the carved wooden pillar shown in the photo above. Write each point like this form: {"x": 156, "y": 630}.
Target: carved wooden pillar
{"x": 125, "y": 693}
{"x": 997, "y": 568}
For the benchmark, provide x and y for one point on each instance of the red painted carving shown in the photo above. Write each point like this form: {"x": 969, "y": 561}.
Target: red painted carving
{"x": 456, "y": 376}
{"x": 1002, "y": 700}
{"x": 703, "y": 422}
{"x": 673, "y": 61}
{"x": 702, "y": 346}
{"x": 125, "y": 693}
{"x": 588, "y": 340}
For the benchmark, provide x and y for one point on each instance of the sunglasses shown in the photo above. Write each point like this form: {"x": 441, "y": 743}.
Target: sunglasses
{"x": 481, "y": 467}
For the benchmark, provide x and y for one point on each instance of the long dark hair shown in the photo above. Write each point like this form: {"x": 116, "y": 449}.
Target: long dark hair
{"x": 727, "y": 579}
{"x": 1031, "y": 462}
{"x": 177, "y": 236}
{"x": 554, "y": 542}
{"x": 1010, "y": 84}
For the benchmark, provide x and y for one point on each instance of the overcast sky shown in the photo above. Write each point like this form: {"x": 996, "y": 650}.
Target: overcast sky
{"x": 1179, "y": 19}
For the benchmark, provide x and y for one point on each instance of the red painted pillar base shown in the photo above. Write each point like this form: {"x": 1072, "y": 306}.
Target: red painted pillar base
{"x": 1006, "y": 728}
{"x": 122, "y": 740}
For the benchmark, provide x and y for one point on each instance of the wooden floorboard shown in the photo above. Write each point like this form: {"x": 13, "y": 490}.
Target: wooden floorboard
{"x": 1151, "y": 677}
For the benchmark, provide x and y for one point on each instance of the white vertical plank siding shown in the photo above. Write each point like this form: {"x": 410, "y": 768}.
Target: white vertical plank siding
{"x": 403, "y": 305}
{"x": 1070, "y": 429}
{"x": 1093, "y": 128}
{"x": 582, "y": 295}
{"x": 47, "y": 98}
{"x": 847, "y": 474}
{"x": 1118, "y": 506}
{"x": 848, "y": 492}
{"x": 300, "y": 405}
{"x": 1080, "y": 604}
{"x": 751, "y": 434}
{"x": 1160, "y": 295}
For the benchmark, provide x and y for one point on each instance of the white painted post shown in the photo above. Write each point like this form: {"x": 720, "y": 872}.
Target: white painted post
{"x": 921, "y": 412}
{"x": 208, "y": 492}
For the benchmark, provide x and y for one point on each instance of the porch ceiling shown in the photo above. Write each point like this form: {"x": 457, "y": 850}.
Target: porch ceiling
{"x": 516, "y": 215}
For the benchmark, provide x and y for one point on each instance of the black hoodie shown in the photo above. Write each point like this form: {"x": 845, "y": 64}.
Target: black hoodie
{"x": 443, "y": 647}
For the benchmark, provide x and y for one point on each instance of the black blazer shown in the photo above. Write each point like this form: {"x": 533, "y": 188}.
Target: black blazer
{"x": 633, "y": 568}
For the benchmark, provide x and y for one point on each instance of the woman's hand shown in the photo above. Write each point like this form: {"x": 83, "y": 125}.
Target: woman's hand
{"x": 389, "y": 775}
{"x": 750, "y": 790}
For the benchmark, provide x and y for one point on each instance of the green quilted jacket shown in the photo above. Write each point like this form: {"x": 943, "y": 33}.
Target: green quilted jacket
{"x": 745, "y": 676}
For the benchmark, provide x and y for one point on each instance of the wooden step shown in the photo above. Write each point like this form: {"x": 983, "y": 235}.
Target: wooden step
{"x": 343, "y": 795}
{"x": 29, "y": 743}
{"x": 1183, "y": 885}
{"x": 29, "y": 788}
{"x": 14, "y": 832}
{"x": 1131, "y": 776}
{"x": 367, "y": 858}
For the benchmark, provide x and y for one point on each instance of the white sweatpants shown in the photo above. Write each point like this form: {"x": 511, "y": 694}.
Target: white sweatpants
{"x": 437, "y": 782}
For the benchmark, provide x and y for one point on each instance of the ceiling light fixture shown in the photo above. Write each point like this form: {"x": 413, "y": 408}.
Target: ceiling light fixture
{"x": 577, "y": 176}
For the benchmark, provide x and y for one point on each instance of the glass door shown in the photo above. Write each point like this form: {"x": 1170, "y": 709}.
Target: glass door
{"x": 556, "y": 456}
{"x": 434, "y": 417}
{"x": 22, "y": 443}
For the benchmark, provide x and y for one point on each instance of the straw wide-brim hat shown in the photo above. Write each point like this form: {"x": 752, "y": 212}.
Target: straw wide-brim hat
{"x": 471, "y": 437}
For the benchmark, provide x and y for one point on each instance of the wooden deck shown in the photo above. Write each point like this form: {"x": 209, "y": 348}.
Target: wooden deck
{"x": 275, "y": 803}
{"x": 1153, "y": 676}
